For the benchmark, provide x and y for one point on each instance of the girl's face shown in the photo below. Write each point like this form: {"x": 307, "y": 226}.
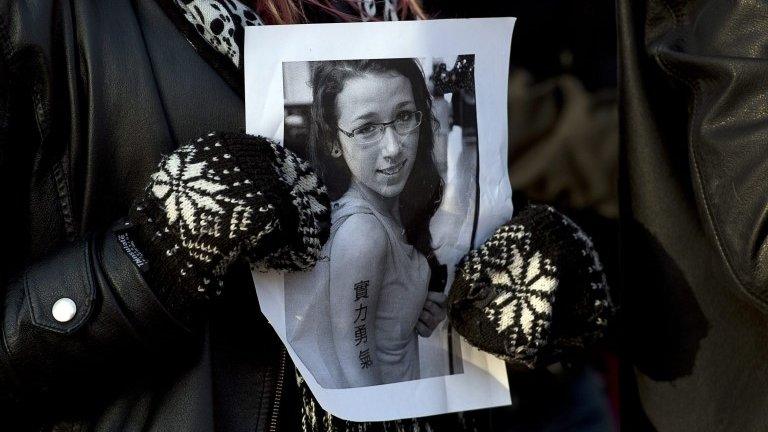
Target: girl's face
{"x": 382, "y": 166}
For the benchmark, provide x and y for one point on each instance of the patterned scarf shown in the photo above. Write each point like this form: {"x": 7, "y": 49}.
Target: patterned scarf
{"x": 221, "y": 22}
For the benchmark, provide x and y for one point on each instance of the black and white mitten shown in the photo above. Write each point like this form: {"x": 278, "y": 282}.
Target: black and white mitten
{"x": 534, "y": 293}
{"x": 221, "y": 197}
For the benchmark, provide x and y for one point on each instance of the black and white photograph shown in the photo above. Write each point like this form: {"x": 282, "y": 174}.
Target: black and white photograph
{"x": 408, "y": 138}
{"x": 395, "y": 142}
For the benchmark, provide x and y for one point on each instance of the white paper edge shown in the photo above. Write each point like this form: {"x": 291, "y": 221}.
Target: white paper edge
{"x": 481, "y": 371}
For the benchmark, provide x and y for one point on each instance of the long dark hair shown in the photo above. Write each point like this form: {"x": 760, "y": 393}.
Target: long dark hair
{"x": 423, "y": 190}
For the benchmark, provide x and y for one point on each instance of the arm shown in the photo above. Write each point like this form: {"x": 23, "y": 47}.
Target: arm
{"x": 357, "y": 261}
{"x": 534, "y": 293}
{"x": 118, "y": 323}
{"x": 117, "y": 326}
{"x": 434, "y": 312}
{"x": 123, "y": 323}
{"x": 720, "y": 120}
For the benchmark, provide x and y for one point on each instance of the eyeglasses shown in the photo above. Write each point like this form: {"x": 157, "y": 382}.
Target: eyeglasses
{"x": 405, "y": 123}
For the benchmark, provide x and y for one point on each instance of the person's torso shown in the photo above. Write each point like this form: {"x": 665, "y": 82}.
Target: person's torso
{"x": 122, "y": 86}
{"x": 405, "y": 277}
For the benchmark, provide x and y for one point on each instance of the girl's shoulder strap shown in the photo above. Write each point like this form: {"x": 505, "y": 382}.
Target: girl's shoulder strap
{"x": 345, "y": 207}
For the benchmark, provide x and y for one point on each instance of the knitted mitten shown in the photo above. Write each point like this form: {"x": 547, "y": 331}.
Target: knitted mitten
{"x": 533, "y": 293}
{"x": 220, "y": 197}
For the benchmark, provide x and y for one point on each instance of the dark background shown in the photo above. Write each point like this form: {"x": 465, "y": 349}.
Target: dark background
{"x": 564, "y": 152}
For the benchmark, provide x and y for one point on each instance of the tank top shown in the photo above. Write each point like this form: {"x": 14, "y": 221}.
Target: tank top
{"x": 401, "y": 299}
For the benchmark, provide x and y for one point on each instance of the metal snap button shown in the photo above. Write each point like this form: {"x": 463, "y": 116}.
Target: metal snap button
{"x": 64, "y": 309}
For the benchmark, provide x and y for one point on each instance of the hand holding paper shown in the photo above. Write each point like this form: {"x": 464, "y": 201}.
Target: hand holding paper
{"x": 218, "y": 198}
{"x": 534, "y": 293}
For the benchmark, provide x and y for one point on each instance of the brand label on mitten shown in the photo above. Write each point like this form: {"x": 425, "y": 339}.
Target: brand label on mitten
{"x": 132, "y": 251}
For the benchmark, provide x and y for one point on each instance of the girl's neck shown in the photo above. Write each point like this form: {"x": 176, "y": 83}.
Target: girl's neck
{"x": 387, "y": 205}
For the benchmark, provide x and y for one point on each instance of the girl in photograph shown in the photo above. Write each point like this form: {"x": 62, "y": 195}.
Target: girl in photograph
{"x": 371, "y": 141}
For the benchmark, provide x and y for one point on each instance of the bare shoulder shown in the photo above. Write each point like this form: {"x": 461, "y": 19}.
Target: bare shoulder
{"x": 360, "y": 238}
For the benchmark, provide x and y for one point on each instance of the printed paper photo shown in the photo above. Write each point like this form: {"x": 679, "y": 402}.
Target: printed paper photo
{"x": 409, "y": 136}
{"x": 395, "y": 142}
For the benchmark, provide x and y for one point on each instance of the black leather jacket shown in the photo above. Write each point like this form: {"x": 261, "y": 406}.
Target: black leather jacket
{"x": 695, "y": 210}
{"x": 92, "y": 93}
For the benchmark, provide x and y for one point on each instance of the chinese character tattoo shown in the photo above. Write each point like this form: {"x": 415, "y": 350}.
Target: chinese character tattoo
{"x": 362, "y": 313}
{"x": 361, "y": 335}
{"x": 365, "y": 359}
{"x": 361, "y": 290}
{"x": 361, "y": 327}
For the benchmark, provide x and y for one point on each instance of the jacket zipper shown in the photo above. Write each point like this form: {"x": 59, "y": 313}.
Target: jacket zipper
{"x": 274, "y": 421}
